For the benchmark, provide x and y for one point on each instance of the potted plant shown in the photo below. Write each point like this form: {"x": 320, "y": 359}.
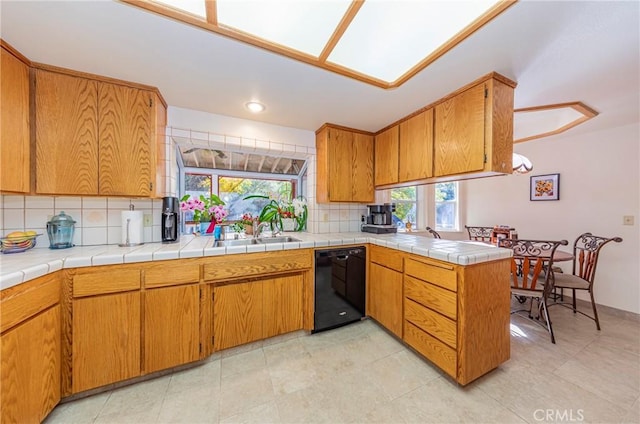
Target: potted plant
{"x": 207, "y": 211}
{"x": 278, "y": 210}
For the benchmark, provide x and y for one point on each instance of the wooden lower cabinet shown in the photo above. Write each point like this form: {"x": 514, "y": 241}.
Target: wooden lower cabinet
{"x": 171, "y": 327}
{"x": 250, "y": 311}
{"x": 106, "y": 340}
{"x": 281, "y": 305}
{"x": 30, "y": 360}
{"x": 458, "y": 316}
{"x": 384, "y": 297}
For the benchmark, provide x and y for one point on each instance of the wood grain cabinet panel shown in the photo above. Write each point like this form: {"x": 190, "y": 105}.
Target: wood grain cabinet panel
{"x": 386, "y": 156}
{"x": 97, "y": 138}
{"x": 125, "y": 138}
{"x": 106, "y": 340}
{"x": 416, "y": 147}
{"x": 237, "y": 314}
{"x": 433, "y": 349}
{"x": 30, "y": 373}
{"x": 344, "y": 165}
{"x": 474, "y": 130}
{"x": 384, "y": 297}
{"x": 66, "y": 110}
{"x": 171, "y": 327}
{"x": 281, "y": 305}
{"x": 15, "y": 151}
{"x": 459, "y": 133}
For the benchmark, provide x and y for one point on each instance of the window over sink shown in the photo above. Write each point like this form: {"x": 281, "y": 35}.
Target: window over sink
{"x": 447, "y": 206}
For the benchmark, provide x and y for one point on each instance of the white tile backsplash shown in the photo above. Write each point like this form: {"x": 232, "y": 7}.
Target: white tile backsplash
{"x": 94, "y": 203}
{"x": 39, "y": 202}
{"x": 98, "y": 220}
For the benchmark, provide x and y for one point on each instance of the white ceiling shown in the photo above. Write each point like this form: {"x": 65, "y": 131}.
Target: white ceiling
{"x": 557, "y": 51}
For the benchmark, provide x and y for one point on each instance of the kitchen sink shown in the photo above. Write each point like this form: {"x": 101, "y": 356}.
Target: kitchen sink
{"x": 250, "y": 241}
{"x": 281, "y": 239}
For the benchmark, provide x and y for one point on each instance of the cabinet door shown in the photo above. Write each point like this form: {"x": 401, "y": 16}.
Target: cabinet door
{"x": 386, "y": 157}
{"x": 362, "y": 168}
{"x": 127, "y": 161}
{"x": 14, "y": 131}
{"x": 459, "y": 133}
{"x": 66, "y": 134}
{"x": 30, "y": 384}
{"x": 416, "y": 147}
{"x": 171, "y": 327}
{"x": 237, "y": 314}
{"x": 281, "y": 305}
{"x": 106, "y": 340}
{"x": 340, "y": 155}
{"x": 384, "y": 297}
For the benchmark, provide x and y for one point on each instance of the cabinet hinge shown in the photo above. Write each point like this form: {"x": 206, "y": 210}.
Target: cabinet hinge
{"x": 200, "y": 347}
{"x": 150, "y": 186}
{"x": 212, "y": 339}
{"x": 485, "y": 158}
{"x": 150, "y": 102}
{"x": 486, "y": 92}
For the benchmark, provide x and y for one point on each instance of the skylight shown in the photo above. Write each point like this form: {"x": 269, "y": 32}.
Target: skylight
{"x": 380, "y": 42}
{"x": 542, "y": 121}
{"x": 387, "y": 38}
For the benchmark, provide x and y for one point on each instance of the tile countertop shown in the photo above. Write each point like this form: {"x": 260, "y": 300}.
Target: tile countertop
{"x": 17, "y": 268}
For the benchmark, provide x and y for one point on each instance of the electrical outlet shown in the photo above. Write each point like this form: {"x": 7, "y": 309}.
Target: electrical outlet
{"x": 627, "y": 220}
{"x": 147, "y": 220}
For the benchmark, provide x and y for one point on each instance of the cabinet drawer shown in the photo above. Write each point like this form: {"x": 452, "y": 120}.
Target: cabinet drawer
{"x": 21, "y": 302}
{"x": 432, "y": 349}
{"x": 171, "y": 274}
{"x": 256, "y": 264}
{"x": 440, "y": 274}
{"x": 386, "y": 257}
{"x": 430, "y": 321}
{"x": 434, "y": 297}
{"x": 106, "y": 281}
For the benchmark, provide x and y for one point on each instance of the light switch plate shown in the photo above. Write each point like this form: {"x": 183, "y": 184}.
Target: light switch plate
{"x": 627, "y": 220}
{"x": 147, "y": 220}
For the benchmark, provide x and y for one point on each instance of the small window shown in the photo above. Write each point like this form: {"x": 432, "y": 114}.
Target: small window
{"x": 232, "y": 190}
{"x": 406, "y": 202}
{"x": 446, "y": 200}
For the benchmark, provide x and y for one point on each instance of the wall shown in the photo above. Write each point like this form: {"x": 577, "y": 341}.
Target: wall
{"x": 323, "y": 218}
{"x": 599, "y": 183}
{"x": 98, "y": 219}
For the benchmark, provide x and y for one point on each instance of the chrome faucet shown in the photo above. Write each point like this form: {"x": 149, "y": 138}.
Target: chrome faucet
{"x": 257, "y": 228}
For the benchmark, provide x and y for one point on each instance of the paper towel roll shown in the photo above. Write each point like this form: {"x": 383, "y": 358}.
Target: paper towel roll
{"x": 134, "y": 220}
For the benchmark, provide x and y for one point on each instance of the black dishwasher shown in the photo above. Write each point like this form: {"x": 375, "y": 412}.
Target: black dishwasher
{"x": 339, "y": 287}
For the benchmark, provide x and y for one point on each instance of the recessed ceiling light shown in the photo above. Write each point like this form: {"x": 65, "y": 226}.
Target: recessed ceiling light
{"x": 255, "y": 107}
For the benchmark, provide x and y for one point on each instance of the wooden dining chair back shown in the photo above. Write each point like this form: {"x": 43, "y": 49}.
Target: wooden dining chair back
{"x": 532, "y": 276}
{"x": 586, "y": 251}
{"x": 433, "y": 232}
{"x": 479, "y": 233}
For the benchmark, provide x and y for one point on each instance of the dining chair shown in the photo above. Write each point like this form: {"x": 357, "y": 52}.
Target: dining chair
{"x": 433, "y": 232}
{"x": 586, "y": 251}
{"x": 479, "y": 233}
{"x": 529, "y": 279}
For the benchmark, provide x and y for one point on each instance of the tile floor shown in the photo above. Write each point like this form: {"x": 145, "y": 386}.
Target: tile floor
{"x": 360, "y": 374}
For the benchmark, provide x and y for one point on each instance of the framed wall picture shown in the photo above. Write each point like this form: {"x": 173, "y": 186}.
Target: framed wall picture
{"x": 545, "y": 187}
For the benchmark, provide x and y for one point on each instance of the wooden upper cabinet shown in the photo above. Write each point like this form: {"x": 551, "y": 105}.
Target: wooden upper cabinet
{"x": 386, "y": 156}
{"x": 344, "y": 165}
{"x": 97, "y": 138}
{"x": 66, "y": 134}
{"x": 474, "y": 130}
{"x": 125, "y": 138}
{"x": 416, "y": 147}
{"x": 14, "y": 131}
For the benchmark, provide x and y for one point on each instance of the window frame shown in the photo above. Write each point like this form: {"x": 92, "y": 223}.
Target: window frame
{"x": 456, "y": 202}
{"x": 417, "y": 202}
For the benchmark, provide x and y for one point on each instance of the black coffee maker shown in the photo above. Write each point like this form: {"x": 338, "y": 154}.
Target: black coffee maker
{"x": 170, "y": 219}
{"x": 380, "y": 219}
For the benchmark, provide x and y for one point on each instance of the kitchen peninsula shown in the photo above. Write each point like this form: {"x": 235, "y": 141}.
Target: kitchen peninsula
{"x": 158, "y": 306}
